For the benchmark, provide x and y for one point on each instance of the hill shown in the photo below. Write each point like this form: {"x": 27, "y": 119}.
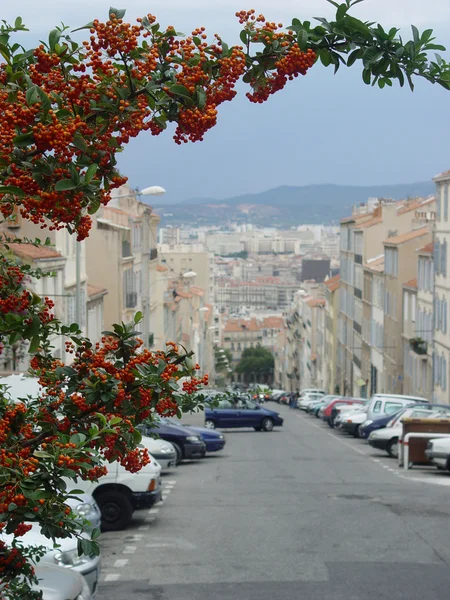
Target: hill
{"x": 287, "y": 205}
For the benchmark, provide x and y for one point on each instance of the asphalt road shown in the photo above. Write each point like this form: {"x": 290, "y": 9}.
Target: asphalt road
{"x": 299, "y": 513}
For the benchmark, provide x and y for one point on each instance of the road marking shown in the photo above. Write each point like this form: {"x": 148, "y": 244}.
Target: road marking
{"x": 137, "y": 537}
{"x": 333, "y": 436}
{"x": 171, "y": 482}
{"x": 144, "y": 527}
{"x": 153, "y": 511}
{"x": 129, "y": 550}
{"x": 121, "y": 562}
{"x": 112, "y": 577}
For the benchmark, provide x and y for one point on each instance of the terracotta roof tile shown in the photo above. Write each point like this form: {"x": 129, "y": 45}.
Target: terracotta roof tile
{"x": 95, "y": 290}
{"x": 273, "y": 323}
{"x": 428, "y": 249}
{"x": 182, "y": 294}
{"x": 375, "y": 264}
{"x": 34, "y": 252}
{"x": 406, "y": 237}
{"x": 411, "y": 284}
{"x": 371, "y": 223}
{"x": 161, "y": 269}
{"x": 313, "y": 302}
{"x": 333, "y": 283}
{"x": 240, "y": 325}
{"x": 415, "y": 204}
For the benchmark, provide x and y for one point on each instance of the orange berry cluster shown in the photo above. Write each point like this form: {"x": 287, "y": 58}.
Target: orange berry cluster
{"x": 167, "y": 407}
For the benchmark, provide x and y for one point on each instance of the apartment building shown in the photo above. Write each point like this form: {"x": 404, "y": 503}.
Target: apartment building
{"x": 264, "y": 293}
{"x": 373, "y": 324}
{"x": 400, "y": 266}
{"x": 330, "y": 334}
{"x": 239, "y": 334}
{"x": 441, "y": 362}
{"x": 192, "y": 259}
{"x": 362, "y": 238}
{"x": 418, "y": 321}
{"x": 122, "y": 258}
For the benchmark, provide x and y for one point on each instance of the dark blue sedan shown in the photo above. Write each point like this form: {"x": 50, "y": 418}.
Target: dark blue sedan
{"x": 214, "y": 440}
{"x": 241, "y": 412}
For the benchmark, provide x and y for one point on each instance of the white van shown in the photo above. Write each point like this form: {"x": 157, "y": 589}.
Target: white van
{"x": 119, "y": 493}
{"x": 387, "y": 404}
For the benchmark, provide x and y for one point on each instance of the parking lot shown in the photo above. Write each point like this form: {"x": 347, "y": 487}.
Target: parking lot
{"x": 302, "y": 511}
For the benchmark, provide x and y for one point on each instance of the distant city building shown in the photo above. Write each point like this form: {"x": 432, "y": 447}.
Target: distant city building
{"x": 317, "y": 269}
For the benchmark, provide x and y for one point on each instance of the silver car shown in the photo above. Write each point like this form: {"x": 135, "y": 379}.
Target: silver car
{"x": 57, "y": 583}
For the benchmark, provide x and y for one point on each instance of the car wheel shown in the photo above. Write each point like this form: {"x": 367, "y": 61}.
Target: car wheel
{"x": 392, "y": 448}
{"x": 179, "y": 453}
{"x": 357, "y": 433}
{"x": 209, "y": 424}
{"x": 116, "y": 510}
{"x": 267, "y": 424}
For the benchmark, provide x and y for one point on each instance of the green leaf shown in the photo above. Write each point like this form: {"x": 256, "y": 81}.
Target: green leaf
{"x": 13, "y": 190}
{"x": 34, "y": 345}
{"x": 115, "y": 421}
{"x": 138, "y": 317}
{"x": 341, "y": 12}
{"x": 416, "y": 35}
{"x": 94, "y": 206}
{"x": 23, "y": 140}
{"x": 353, "y": 56}
{"x": 92, "y": 170}
{"x": 302, "y": 39}
{"x": 180, "y": 90}
{"x": 89, "y": 25}
{"x": 79, "y": 141}
{"x": 201, "y": 97}
{"x": 41, "y": 454}
{"x": 119, "y": 12}
{"x": 53, "y": 38}
{"x": 65, "y": 185}
{"x": 366, "y": 75}
{"x": 325, "y": 57}
{"x": 244, "y": 37}
{"x": 32, "y": 95}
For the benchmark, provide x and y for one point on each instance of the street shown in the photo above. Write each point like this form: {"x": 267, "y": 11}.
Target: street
{"x": 301, "y": 512}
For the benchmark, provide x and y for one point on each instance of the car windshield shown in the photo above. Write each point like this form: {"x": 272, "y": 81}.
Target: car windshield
{"x": 246, "y": 403}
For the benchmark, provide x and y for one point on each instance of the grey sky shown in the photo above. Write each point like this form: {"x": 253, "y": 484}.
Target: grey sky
{"x": 320, "y": 129}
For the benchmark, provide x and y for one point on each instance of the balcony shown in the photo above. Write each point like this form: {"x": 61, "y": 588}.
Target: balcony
{"x": 418, "y": 345}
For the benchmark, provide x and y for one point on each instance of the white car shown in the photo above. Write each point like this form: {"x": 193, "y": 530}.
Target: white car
{"x": 85, "y": 508}
{"x": 65, "y": 555}
{"x": 308, "y": 398}
{"x": 387, "y": 437}
{"x": 351, "y": 421}
{"x": 438, "y": 452}
{"x": 57, "y": 583}
{"x": 162, "y": 451}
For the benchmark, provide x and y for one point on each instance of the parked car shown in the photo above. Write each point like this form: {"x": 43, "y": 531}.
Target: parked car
{"x": 387, "y": 438}
{"x": 276, "y": 394}
{"x": 312, "y": 390}
{"x": 373, "y": 425}
{"x": 241, "y": 412}
{"x": 352, "y": 420}
{"x": 64, "y": 555}
{"x": 163, "y": 451}
{"x": 438, "y": 453}
{"x": 319, "y": 403}
{"x": 385, "y": 404}
{"x": 188, "y": 444}
{"x": 340, "y": 412}
{"x": 119, "y": 492}
{"x": 214, "y": 440}
{"x": 58, "y": 583}
{"x": 327, "y": 411}
{"x": 308, "y": 398}
{"x": 86, "y": 509}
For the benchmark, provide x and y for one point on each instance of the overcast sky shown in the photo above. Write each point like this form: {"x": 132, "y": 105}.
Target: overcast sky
{"x": 321, "y": 129}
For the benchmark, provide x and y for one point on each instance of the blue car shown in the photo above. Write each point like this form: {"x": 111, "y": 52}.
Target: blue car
{"x": 241, "y": 412}
{"x": 214, "y": 440}
{"x": 188, "y": 444}
{"x": 366, "y": 430}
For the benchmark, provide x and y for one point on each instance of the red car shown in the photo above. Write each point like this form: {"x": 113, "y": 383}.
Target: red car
{"x": 329, "y": 412}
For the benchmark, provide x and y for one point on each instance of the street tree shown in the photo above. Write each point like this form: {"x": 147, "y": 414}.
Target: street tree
{"x": 67, "y": 109}
{"x": 256, "y": 364}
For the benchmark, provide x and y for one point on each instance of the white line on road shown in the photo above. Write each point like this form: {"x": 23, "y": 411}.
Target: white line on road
{"x": 129, "y": 550}
{"x": 121, "y": 562}
{"x": 333, "y": 436}
{"x": 112, "y": 577}
{"x": 170, "y": 482}
{"x": 153, "y": 511}
{"x": 144, "y": 527}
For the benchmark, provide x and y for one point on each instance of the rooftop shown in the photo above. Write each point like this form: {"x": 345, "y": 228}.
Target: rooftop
{"x": 427, "y": 249}
{"x": 34, "y": 252}
{"x": 408, "y": 236}
{"x": 95, "y": 290}
{"x": 313, "y": 302}
{"x": 333, "y": 283}
{"x": 375, "y": 264}
{"x": 411, "y": 284}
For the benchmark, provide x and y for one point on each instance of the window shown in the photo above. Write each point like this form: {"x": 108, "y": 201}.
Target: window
{"x": 438, "y": 201}
{"x": 405, "y": 307}
{"x": 129, "y": 289}
{"x": 444, "y": 258}
{"x": 391, "y": 262}
{"x": 136, "y": 237}
{"x": 437, "y": 257}
{"x": 377, "y": 407}
{"x": 392, "y": 407}
{"x": 445, "y": 186}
